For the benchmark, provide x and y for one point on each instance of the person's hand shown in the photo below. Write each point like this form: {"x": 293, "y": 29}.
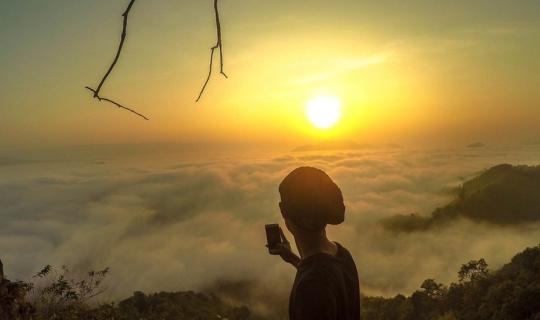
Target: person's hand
{"x": 283, "y": 249}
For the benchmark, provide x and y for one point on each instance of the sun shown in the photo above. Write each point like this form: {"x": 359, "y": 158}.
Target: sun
{"x": 323, "y": 111}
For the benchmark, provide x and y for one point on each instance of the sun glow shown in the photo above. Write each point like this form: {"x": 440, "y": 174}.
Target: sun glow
{"x": 323, "y": 111}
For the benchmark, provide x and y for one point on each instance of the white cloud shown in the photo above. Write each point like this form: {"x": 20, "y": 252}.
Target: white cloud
{"x": 190, "y": 225}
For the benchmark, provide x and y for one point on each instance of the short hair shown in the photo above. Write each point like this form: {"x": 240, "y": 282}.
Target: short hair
{"x": 311, "y": 199}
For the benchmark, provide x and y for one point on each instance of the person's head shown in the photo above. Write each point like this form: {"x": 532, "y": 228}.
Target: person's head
{"x": 310, "y": 200}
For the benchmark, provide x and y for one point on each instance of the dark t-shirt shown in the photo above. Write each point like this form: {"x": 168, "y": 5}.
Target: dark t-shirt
{"x": 326, "y": 287}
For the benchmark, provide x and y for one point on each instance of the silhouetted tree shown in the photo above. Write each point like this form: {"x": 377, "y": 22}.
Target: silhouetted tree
{"x": 433, "y": 289}
{"x": 474, "y": 270}
{"x": 62, "y": 296}
{"x": 511, "y": 293}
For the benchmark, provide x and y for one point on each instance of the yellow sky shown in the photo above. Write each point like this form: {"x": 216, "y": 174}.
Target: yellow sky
{"x": 449, "y": 72}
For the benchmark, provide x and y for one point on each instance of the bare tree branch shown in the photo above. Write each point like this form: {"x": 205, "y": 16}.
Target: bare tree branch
{"x": 116, "y": 104}
{"x": 120, "y": 46}
{"x": 218, "y": 46}
{"x": 118, "y": 52}
{"x": 125, "y": 15}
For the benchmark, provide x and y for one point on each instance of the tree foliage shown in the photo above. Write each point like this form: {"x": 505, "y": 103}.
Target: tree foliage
{"x": 62, "y": 295}
{"x": 513, "y": 292}
{"x": 510, "y": 293}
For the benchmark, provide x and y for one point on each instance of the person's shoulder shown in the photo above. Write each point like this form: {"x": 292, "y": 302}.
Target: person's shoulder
{"x": 342, "y": 251}
{"x": 347, "y": 262}
{"x": 320, "y": 271}
{"x": 344, "y": 255}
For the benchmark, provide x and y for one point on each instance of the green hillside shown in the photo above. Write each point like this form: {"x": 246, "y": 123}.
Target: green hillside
{"x": 502, "y": 195}
{"x": 510, "y": 293}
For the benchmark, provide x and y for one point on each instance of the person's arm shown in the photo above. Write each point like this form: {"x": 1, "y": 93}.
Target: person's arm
{"x": 314, "y": 300}
{"x": 284, "y": 250}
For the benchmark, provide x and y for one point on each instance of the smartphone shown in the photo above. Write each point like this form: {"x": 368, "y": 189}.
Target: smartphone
{"x": 273, "y": 236}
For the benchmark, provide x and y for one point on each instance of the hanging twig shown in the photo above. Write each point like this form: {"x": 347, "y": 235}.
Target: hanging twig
{"x": 218, "y": 46}
{"x": 116, "y": 104}
{"x": 125, "y": 15}
{"x": 118, "y": 52}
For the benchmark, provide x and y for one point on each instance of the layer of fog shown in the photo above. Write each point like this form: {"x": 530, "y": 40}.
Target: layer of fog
{"x": 170, "y": 224}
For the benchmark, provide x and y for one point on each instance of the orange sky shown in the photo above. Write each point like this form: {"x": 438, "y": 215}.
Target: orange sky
{"x": 449, "y": 72}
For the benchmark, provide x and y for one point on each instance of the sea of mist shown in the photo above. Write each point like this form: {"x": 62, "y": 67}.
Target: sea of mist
{"x": 179, "y": 218}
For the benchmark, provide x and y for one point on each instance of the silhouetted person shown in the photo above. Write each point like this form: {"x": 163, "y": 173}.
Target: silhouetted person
{"x": 326, "y": 285}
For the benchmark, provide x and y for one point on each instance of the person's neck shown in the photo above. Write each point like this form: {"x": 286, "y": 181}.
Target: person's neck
{"x": 309, "y": 244}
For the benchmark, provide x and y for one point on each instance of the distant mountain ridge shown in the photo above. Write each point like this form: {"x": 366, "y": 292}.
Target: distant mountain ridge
{"x": 331, "y": 145}
{"x": 476, "y": 145}
{"x": 502, "y": 195}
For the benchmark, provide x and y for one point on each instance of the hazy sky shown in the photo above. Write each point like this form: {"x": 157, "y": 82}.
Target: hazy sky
{"x": 406, "y": 72}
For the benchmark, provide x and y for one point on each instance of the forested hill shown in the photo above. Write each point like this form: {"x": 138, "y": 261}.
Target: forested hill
{"x": 510, "y": 293}
{"x": 501, "y": 195}
{"x": 178, "y": 305}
